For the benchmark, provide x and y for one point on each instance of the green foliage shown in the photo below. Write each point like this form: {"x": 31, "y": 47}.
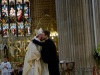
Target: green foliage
{"x": 98, "y": 49}
{"x": 98, "y": 56}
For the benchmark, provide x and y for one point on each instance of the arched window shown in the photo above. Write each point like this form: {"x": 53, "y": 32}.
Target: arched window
{"x": 15, "y": 18}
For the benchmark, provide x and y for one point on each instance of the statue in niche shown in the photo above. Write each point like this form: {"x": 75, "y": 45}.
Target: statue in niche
{"x": 4, "y": 15}
{"x": 12, "y": 11}
{"x": 13, "y": 29}
{"x": 19, "y": 5}
{"x": 19, "y": 1}
{"x": 5, "y": 9}
{"x": 11, "y": 49}
{"x": 4, "y": 1}
{"x": 27, "y": 28}
{"x": 5, "y": 50}
{"x": 11, "y": 2}
{"x": 19, "y": 14}
{"x": 5, "y": 30}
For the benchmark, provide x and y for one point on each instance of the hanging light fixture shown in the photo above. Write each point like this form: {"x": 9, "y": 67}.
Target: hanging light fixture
{"x": 53, "y": 33}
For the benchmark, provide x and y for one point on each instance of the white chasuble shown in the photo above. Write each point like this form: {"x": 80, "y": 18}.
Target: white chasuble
{"x": 32, "y": 62}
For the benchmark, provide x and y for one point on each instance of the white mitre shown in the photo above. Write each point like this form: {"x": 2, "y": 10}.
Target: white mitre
{"x": 39, "y": 31}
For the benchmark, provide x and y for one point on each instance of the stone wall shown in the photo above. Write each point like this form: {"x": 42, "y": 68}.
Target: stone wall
{"x": 43, "y": 14}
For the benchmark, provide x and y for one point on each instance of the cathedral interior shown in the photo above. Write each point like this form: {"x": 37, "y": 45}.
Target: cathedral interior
{"x": 74, "y": 26}
{"x": 18, "y": 21}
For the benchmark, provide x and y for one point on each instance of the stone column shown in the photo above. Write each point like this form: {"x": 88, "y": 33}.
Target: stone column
{"x": 97, "y": 17}
{"x": 76, "y": 37}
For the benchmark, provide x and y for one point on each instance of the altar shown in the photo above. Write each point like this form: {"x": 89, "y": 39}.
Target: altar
{"x": 15, "y": 31}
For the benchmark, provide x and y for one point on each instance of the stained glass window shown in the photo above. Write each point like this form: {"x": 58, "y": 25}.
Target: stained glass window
{"x": 15, "y": 18}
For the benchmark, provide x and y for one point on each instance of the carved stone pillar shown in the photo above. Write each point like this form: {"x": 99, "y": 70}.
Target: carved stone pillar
{"x": 76, "y": 36}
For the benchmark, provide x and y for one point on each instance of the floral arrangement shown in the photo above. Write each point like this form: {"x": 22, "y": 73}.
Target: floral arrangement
{"x": 97, "y": 52}
{"x": 97, "y": 56}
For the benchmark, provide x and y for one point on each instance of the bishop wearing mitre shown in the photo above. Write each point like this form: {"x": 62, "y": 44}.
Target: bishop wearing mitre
{"x": 33, "y": 64}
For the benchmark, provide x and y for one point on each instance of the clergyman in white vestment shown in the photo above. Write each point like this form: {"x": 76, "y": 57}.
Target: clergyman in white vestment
{"x": 33, "y": 64}
{"x": 5, "y": 67}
